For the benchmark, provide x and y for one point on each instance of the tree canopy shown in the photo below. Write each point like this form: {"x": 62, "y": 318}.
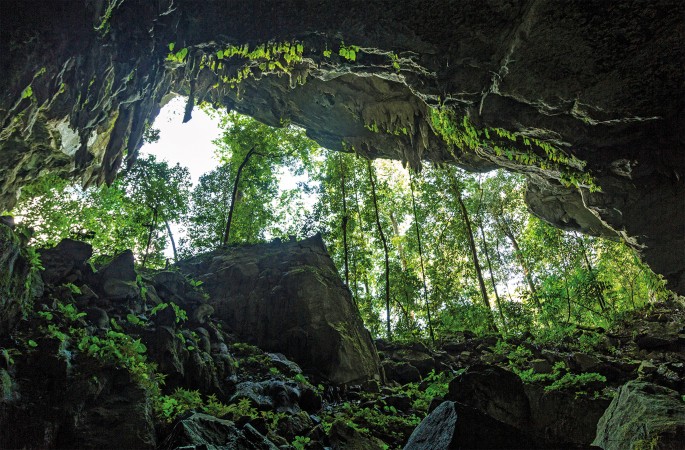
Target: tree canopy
{"x": 424, "y": 254}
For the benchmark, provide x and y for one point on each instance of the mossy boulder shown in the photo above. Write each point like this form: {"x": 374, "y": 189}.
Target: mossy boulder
{"x": 643, "y": 416}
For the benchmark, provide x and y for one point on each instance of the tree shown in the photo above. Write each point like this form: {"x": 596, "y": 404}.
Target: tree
{"x": 163, "y": 192}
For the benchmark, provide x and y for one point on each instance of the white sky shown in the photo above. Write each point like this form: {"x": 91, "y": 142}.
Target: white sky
{"x": 189, "y": 144}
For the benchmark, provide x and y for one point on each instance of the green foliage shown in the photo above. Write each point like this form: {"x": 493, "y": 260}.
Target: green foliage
{"x": 179, "y": 313}
{"x": 180, "y": 402}
{"x": 348, "y": 52}
{"x": 300, "y": 442}
{"x": 27, "y": 92}
{"x": 236, "y": 63}
{"x": 577, "y": 382}
{"x": 276, "y": 150}
{"x": 466, "y": 137}
{"x": 136, "y": 206}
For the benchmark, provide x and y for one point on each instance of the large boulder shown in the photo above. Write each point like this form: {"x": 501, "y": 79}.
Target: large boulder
{"x": 643, "y": 415}
{"x": 59, "y": 261}
{"x": 455, "y": 426}
{"x": 555, "y": 418}
{"x": 289, "y": 298}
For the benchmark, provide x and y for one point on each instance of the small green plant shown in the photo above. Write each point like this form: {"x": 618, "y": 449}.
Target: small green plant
{"x": 178, "y": 56}
{"x": 181, "y": 314}
{"x": 576, "y": 382}
{"x": 70, "y": 312}
{"x": 348, "y": 52}
{"x": 135, "y": 320}
{"x": 300, "y": 442}
{"x": 181, "y": 401}
{"x": 73, "y": 288}
{"x": 27, "y": 92}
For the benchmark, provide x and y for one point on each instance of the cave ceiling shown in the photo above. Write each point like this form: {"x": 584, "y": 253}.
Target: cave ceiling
{"x": 601, "y": 81}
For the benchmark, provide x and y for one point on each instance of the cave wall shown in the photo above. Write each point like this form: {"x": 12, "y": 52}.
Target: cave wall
{"x": 603, "y": 81}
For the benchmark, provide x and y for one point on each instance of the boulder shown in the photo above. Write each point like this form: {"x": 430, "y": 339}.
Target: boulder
{"x": 497, "y": 392}
{"x": 288, "y": 298}
{"x": 401, "y": 372}
{"x": 643, "y": 415}
{"x": 562, "y": 418}
{"x": 555, "y": 418}
{"x": 279, "y": 396}
{"x": 344, "y": 437}
{"x": 202, "y": 431}
{"x": 455, "y": 426}
{"x": 62, "y": 259}
{"x": 121, "y": 267}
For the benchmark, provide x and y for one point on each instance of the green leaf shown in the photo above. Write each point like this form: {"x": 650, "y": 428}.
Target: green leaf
{"x": 171, "y": 46}
{"x": 32, "y": 343}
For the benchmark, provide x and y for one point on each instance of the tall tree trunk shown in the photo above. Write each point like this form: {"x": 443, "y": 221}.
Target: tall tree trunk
{"x": 597, "y": 290}
{"x": 423, "y": 271}
{"x": 385, "y": 249}
{"x": 400, "y": 247}
{"x": 506, "y": 229}
{"x": 492, "y": 277}
{"x": 153, "y": 226}
{"x": 474, "y": 252}
{"x": 171, "y": 238}
{"x": 344, "y": 220}
{"x": 227, "y": 231}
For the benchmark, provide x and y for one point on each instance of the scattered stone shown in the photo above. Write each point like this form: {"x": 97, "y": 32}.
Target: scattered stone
{"x": 115, "y": 289}
{"x": 541, "y": 366}
{"x": 585, "y": 362}
{"x": 202, "y": 431}
{"x": 344, "y": 437}
{"x": 401, "y": 372}
{"x": 283, "y": 364}
{"x": 646, "y": 368}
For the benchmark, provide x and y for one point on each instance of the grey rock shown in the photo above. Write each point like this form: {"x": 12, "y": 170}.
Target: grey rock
{"x": 455, "y": 426}
{"x": 288, "y": 298}
{"x": 643, "y": 415}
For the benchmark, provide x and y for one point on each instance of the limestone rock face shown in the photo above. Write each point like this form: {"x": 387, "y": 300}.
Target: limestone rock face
{"x": 18, "y": 283}
{"x": 643, "y": 415}
{"x": 288, "y": 298}
{"x": 601, "y": 83}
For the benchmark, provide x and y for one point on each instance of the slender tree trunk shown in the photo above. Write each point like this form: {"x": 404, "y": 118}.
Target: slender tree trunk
{"x": 593, "y": 280}
{"x": 344, "y": 220}
{"x": 506, "y": 229}
{"x": 492, "y": 277}
{"x": 227, "y": 231}
{"x": 171, "y": 238}
{"x": 423, "y": 271}
{"x": 153, "y": 226}
{"x": 474, "y": 252}
{"x": 385, "y": 249}
{"x": 400, "y": 247}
